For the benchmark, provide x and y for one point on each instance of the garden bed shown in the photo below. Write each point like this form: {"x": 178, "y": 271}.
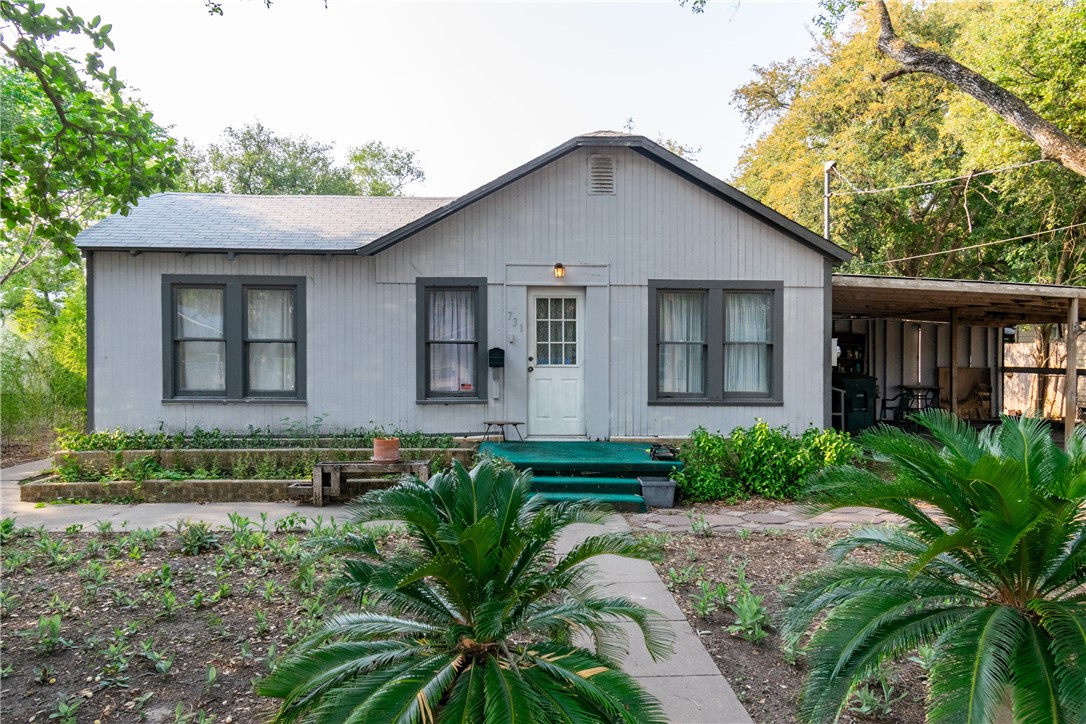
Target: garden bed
{"x": 102, "y": 461}
{"x": 144, "y": 632}
{"x": 764, "y": 678}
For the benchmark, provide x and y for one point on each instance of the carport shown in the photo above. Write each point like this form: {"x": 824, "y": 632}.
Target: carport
{"x": 943, "y": 334}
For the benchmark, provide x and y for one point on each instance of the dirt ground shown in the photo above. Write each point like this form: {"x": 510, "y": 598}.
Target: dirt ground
{"x": 146, "y": 632}
{"x": 762, "y": 677}
{"x": 17, "y": 453}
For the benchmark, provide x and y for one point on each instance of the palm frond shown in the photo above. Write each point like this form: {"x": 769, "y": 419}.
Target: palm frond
{"x": 508, "y": 700}
{"x": 465, "y": 704}
{"x": 613, "y": 692}
{"x": 832, "y": 675}
{"x": 411, "y": 697}
{"x": 616, "y": 544}
{"x": 1035, "y": 694}
{"x": 974, "y": 668}
{"x": 1065, "y": 624}
{"x": 827, "y": 588}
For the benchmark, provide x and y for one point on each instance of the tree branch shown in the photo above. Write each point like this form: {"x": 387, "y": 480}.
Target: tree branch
{"x": 1054, "y": 143}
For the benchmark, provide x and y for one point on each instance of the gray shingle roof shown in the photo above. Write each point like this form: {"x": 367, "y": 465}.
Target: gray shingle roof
{"x": 224, "y": 222}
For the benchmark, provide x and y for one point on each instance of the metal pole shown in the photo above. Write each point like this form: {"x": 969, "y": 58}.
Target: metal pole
{"x": 954, "y": 361}
{"x": 1070, "y": 385}
{"x": 826, "y": 197}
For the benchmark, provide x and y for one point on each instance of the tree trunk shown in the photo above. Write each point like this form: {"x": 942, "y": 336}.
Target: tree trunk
{"x": 1055, "y": 145}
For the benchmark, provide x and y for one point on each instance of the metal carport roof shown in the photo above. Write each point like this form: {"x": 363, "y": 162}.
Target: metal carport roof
{"x": 982, "y": 303}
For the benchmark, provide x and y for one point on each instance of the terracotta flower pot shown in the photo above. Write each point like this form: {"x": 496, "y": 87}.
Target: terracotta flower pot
{"x": 386, "y": 449}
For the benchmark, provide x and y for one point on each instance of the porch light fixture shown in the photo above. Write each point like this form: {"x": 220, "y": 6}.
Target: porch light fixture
{"x": 559, "y": 271}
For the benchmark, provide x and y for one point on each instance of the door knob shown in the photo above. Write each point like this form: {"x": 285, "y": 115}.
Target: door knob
{"x": 530, "y": 368}
{"x": 531, "y": 359}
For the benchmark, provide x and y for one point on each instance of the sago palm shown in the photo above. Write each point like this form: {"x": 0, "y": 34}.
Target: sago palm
{"x": 988, "y": 569}
{"x": 475, "y": 620}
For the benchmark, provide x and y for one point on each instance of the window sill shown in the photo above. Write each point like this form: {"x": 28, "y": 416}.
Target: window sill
{"x": 453, "y": 401}
{"x": 716, "y": 403}
{"x": 233, "y": 401}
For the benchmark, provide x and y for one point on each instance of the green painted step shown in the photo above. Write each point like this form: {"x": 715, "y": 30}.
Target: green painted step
{"x": 632, "y": 503}
{"x": 582, "y": 458}
{"x": 585, "y": 486}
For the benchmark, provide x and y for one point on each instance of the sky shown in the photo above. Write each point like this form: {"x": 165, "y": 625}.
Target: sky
{"x": 476, "y": 88}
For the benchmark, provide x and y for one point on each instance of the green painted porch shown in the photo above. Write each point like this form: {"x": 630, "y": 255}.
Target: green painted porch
{"x": 607, "y": 472}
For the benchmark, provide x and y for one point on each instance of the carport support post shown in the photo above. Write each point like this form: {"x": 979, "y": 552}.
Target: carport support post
{"x": 953, "y": 369}
{"x": 1070, "y": 384}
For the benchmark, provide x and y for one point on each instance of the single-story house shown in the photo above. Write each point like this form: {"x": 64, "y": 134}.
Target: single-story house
{"x": 605, "y": 289}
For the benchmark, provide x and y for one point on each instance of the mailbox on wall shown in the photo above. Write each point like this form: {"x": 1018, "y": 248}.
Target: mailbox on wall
{"x": 497, "y": 357}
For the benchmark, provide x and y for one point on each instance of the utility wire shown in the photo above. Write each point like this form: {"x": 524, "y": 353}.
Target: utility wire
{"x": 856, "y": 191}
{"x": 973, "y": 246}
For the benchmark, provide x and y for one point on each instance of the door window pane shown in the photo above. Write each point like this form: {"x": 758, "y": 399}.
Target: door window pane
{"x": 556, "y": 331}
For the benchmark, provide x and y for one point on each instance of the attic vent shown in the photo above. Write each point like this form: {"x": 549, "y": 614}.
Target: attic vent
{"x": 601, "y": 174}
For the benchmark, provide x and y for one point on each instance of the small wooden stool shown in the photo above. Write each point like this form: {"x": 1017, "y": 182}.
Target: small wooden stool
{"x": 502, "y": 424}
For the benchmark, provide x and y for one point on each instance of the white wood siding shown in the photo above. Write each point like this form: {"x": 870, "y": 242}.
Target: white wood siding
{"x": 360, "y": 330}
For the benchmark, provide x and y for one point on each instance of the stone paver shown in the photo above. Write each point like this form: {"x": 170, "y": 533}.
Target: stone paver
{"x": 784, "y": 517}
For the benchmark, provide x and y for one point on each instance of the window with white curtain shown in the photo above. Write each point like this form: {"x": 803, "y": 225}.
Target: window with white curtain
{"x": 452, "y": 344}
{"x": 682, "y": 348}
{"x": 748, "y": 341}
{"x": 233, "y": 337}
{"x": 715, "y": 342}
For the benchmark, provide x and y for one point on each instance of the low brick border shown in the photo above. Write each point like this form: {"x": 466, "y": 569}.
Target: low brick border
{"x": 183, "y": 491}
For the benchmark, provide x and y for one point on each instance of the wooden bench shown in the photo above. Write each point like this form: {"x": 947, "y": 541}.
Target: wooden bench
{"x": 502, "y": 424}
{"x": 329, "y": 477}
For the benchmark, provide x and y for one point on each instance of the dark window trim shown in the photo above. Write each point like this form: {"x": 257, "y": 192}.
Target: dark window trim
{"x": 234, "y": 323}
{"x": 714, "y": 364}
{"x": 422, "y": 359}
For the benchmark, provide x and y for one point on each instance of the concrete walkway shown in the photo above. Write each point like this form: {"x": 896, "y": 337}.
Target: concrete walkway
{"x": 689, "y": 684}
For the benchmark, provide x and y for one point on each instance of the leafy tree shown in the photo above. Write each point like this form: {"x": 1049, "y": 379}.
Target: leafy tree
{"x": 380, "y": 170}
{"x": 834, "y": 106}
{"x": 253, "y": 159}
{"x": 43, "y": 361}
{"x": 988, "y": 570}
{"x": 73, "y": 146}
{"x": 1054, "y": 143}
{"x": 473, "y": 622}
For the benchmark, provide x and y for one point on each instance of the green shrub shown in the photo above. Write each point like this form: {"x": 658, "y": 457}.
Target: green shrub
{"x": 293, "y": 435}
{"x": 759, "y": 460}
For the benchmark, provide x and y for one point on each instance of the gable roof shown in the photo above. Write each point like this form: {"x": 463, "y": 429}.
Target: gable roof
{"x": 227, "y": 222}
{"x": 366, "y": 224}
{"x": 645, "y": 147}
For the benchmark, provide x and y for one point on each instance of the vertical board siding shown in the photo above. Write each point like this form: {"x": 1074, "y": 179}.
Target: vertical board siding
{"x": 361, "y": 317}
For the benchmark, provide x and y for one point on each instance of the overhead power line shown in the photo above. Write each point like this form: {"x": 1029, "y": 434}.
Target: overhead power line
{"x": 856, "y": 191}
{"x": 974, "y": 246}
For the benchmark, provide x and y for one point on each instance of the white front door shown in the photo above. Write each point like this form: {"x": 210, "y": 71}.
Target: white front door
{"x": 556, "y": 363}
